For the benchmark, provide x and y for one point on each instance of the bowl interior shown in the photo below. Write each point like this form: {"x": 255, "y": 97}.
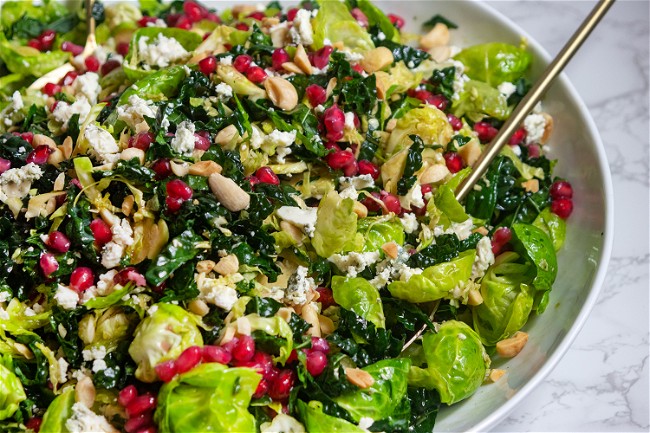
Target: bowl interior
{"x": 583, "y": 260}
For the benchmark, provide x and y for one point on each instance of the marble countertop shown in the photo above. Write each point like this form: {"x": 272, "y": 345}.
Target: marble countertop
{"x": 601, "y": 384}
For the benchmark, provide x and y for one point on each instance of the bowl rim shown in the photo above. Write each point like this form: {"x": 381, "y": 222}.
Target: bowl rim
{"x": 504, "y": 410}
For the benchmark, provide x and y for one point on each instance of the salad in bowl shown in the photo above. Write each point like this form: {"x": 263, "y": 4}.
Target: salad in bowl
{"x": 236, "y": 219}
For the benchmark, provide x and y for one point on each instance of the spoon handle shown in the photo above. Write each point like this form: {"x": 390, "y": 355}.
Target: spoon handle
{"x": 535, "y": 94}
{"x": 90, "y": 20}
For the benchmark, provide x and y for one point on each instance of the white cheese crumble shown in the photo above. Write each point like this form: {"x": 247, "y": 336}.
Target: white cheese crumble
{"x": 135, "y": 111}
{"x": 66, "y": 298}
{"x": 224, "y": 91}
{"x": 304, "y": 218}
{"x": 535, "y": 124}
{"x": 183, "y": 141}
{"x": 96, "y": 355}
{"x": 282, "y": 423}
{"x": 462, "y": 230}
{"x": 412, "y": 198}
{"x": 87, "y": 85}
{"x": 298, "y": 287}
{"x": 85, "y": 420}
{"x": 373, "y": 124}
{"x": 349, "y": 192}
{"x": 282, "y": 142}
{"x": 218, "y": 291}
{"x": 162, "y": 52}
{"x": 409, "y": 222}
{"x": 63, "y": 370}
{"x": 484, "y": 257}
{"x": 366, "y": 422}
{"x": 3, "y": 314}
{"x": 17, "y": 101}
{"x": 16, "y": 182}
{"x": 353, "y": 263}
{"x": 64, "y": 111}
{"x": 349, "y": 121}
{"x": 362, "y": 181}
{"x": 302, "y": 32}
{"x": 101, "y": 143}
{"x": 112, "y": 254}
{"x": 5, "y": 296}
{"x": 226, "y": 60}
{"x": 507, "y": 88}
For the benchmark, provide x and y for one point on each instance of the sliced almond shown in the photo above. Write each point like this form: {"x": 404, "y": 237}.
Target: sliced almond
{"x": 440, "y": 53}
{"x": 205, "y": 266}
{"x": 327, "y": 326}
{"x": 474, "y": 298}
{"x": 131, "y": 153}
{"x": 382, "y": 80}
{"x": 141, "y": 127}
{"x": 438, "y": 35}
{"x": 227, "y": 265}
{"x": 23, "y": 350}
{"x": 496, "y": 374}
{"x": 292, "y": 230}
{"x": 376, "y": 59}
{"x": 204, "y": 168}
{"x": 85, "y": 392}
{"x": 40, "y": 140}
{"x": 391, "y": 249}
{"x": 198, "y": 307}
{"x": 293, "y": 68}
{"x": 360, "y": 378}
{"x": 228, "y": 193}
{"x": 331, "y": 85}
{"x": 302, "y": 61}
{"x": 127, "y": 204}
{"x": 481, "y": 230}
{"x": 390, "y": 125}
{"x": 470, "y": 152}
{"x": 56, "y": 157}
{"x": 285, "y": 313}
{"x": 531, "y": 185}
{"x": 66, "y": 147}
{"x": 281, "y": 92}
{"x": 360, "y": 209}
{"x": 180, "y": 169}
{"x": 243, "y": 326}
{"x": 227, "y": 135}
{"x": 510, "y": 347}
{"x": 548, "y": 129}
{"x": 434, "y": 173}
{"x": 279, "y": 35}
{"x": 310, "y": 315}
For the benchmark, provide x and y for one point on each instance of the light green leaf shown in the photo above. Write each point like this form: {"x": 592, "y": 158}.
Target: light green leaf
{"x": 358, "y": 295}
{"x": 336, "y": 226}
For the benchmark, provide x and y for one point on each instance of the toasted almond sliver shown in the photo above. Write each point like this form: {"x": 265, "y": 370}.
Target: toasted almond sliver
{"x": 85, "y": 392}
{"x": 302, "y": 61}
{"x": 293, "y": 68}
{"x": 548, "y": 129}
{"x": 474, "y": 298}
{"x": 204, "y": 168}
{"x": 198, "y": 307}
{"x": 531, "y": 185}
{"x": 359, "y": 377}
{"x": 227, "y": 265}
{"x": 510, "y": 347}
{"x": 481, "y": 230}
{"x": 391, "y": 249}
{"x": 496, "y": 374}
{"x": 205, "y": 266}
{"x": 438, "y": 35}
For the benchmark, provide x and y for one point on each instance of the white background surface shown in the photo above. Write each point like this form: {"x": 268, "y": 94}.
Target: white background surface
{"x": 601, "y": 384}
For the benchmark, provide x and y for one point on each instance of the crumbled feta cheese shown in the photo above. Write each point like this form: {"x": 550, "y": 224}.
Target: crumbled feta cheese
{"x": 535, "y": 124}
{"x": 366, "y": 422}
{"x": 136, "y": 110}
{"x": 66, "y": 298}
{"x": 106, "y": 282}
{"x": 96, "y": 355}
{"x": 183, "y": 141}
{"x": 507, "y": 88}
{"x": 17, "y": 101}
{"x": 257, "y": 138}
{"x": 349, "y": 121}
{"x": 162, "y": 52}
{"x": 29, "y": 312}
{"x": 5, "y": 296}
{"x": 298, "y": 287}
{"x": 282, "y": 142}
{"x": 460, "y": 78}
{"x": 302, "y": 32}
{"x": 226, "y": 60}
{"x": 218, "y": 291}
{"x": 319, "y": 109}
{"x": 409, "y": 222}
{"x": 484, "y": 257}
{"x": 362, "y": 181}
{"x": 85, "y": 420}
{"x": 122, "y": 233}
{"x": 224, "y": 91}
{"x": 282, "y": 423}
{"x": 304, "y": 218}
{"x": 463, "y": 230}
{"x": 351, "y": 56}
{"x": 87, "y": 85}
{"x": 413, "y": 197}
{"x": 349, "y": 192}
{"x": 63, "y": 370}
{"x": 112, "y": 254}
{"x": 353, "y": 263}
{"x": 16, "y": 182}
{"x": 64, "y": 111}
{"x": 157, "y": 23}
{"x": 373, "y": 124}
{"x": 102, "y": 145}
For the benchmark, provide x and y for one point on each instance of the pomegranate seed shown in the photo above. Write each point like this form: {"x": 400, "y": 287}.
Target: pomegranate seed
{"x": 263, "y": 363}
{"x": 129, "y": 274}
{"x": 144, "y": 21}
{"x": 58, "y": 242}
{"x": 229, "y": 346}
{"x": 253, "y": 180}
{"x": 518, "y": 136}
{"x": 455, "y": 122}
{"x": 35, "y": 43}
{"x": 256, "y": 74}
{"x": 109, "y": 66}
{"x": 139, "y": 422}
{"x": 293, "y": 357}
{"x": 48, "y": 264}
{"x": 561, "y": 189}
{"x": 391, "y": 201}
{"x": 150, "y": 429}
{"x": 39, "y": 155}
{"x": 216, "y": 354}
{"x": 72, "y": 48}
{"x": 339, "y": 159}
{"x": 81, "y": 279}
{"x": 162, "y": 167}
{"x": 51, "y": 89}
{"x": 101, "y": 232}
{"x": 367, "y": 167}
{"x": 425, "y": 188}
{"x": 213, "y": 17}
{"x": 315, "y": 94}
{"x": 257, "y": 15}
{"x": 47, "y": 39}
{"x": 372, "y": 203}
{"x": 423, "y": 95}
{"x": 127, "y": 395}
{"x": 562, "y": 207}
{"x": 291, "y": 14}
{"x": 188, "y": 359}
{"x": 245, "y": 348}
{"x": 208, "y": 65}
{"x": 440, "y": 102}
{"x": 193, "y": 11}
{"x": 334, "y": 119}
{"x": 122, "y": 48}
{"x": 34, "y": 424}
{"x": 266, "y": 175}
{"x": 454, "y": 161}
{"x": 262, "y": 389}
{"x": 140, "y": 404}
{"x": 500, "y": 237}
{"x": 27, "y": 136}
{"x": 178, "y": 189}
{"x": 69, "y": 78}
{"x": 321, "y": 58}
{"x": 279, "y": 57}
{"x": 316, "y": 362}
{"x": 320, "y": 344}
{"x": 281, "y": 386}
{"x": 242, "y": 63}
{"x": 534, "y": 151}
{"x": 361, "y": 18}
{"x": 173, "y": 204}
{"x": 142, "y": 140}
{"x": 485, "y": 131}
{"x": 325, "y": 297}
{"x": 183, "y": 23}
{"x": 396, "y": 20}
{"x": 201, "y": 142}
{"x": 242, "y": 26}
{"x": 5, "y": 165}
{"x": 92, "y": 63}
{"x": 351, "y": 169}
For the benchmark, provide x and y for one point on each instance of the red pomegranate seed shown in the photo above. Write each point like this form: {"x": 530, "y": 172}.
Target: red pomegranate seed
{"x": 253, "y": 180}
{"x": 256, "y": 74}
{"x": 391, "y": 201}
{"x": 266, "y": 175}
{"x": 58, "y": 242}
{"x": 122, "y": 48}
{"x": 358, "y": 15}
{"x": 454, "y": 161}
{"x": 372, "y": 203}
{"x": 351, "y": 169}
{"x": 51, "y": 89}
{"x": 188, "y": 359}
{"x": 101, "y": 232}
{"x": 455, "y": 122}
{"x": 139, "y": 422}
{"x": 183, "y": 23}
{"x": 534, "y": 151}
{"x": 5, "y": 165}
{"x": 39, "y": 155}
{"x": 142, "y": 140}
{"x": 485, "y": 131}
{"x": 72, "y": 48}
{"x": 281, "y": 386}
{"x": 201, "y": 142}
{"x": 562, "y": 207}
{"x": 325, "y": 297}
{"x": 500, "y": 237}
{"x": 27, "y": 136}
{"x": 129, "y": 274}
{"x": 439, "y": 101}
{"x": 216, "y": 354}
{"x": 561, "y": 189}
{"x": 140, "y": 404}
{"x": 150, "y": 429}
{"x": 35, "y": 43}
{"x": 109, "y": 66}
{"x": 142, "y": 22}
{"x": 518, "y": 136}
{"x": 316, "y": 362}
{"x": 257, "y": 15}
{"x": 321, "y": 58}
{"x": 315, "y": 94}
{"x": 162, "y": 167}
{"x": 242, "y": 26}
{"x": 367, "y": 167}
{"x": 178, "y": 189}
{"x": 291, "y": 14}
{"x": 425, "y": 188}
{"x": 81, "y": 279}
{"x": 339, "y": 159}
{"x": 423, "y": 95}
{"x": 245, "y": 348}
{"x": 242, "y": 63}
{"x": 334, "y": 119}
{"x": 320, "y": 344}
{"x": 279, "y": 57}
{"x": 193, "y": 11}
{"x": 46, "y": 38}
{"x": 396, "y": 20}
{"x": 214, "y": 18}
{"x": 126, "y": 395}
{"x": 48, "y": 264}
{"x": 34, "y": 424}
{"x": 208, "y": 65}
{"x": 92, "y": 63}
{"x": 69, "y": 78}
{"x": 173, "y": 204}
{"x": 262, "y": 389}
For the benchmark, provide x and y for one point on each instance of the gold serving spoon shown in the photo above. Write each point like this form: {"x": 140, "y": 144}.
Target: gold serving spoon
{"x": 523, "y": 108}
{"x": 55, "y": 75}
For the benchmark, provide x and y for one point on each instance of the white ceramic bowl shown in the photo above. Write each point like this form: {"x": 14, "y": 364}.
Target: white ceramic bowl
{"x": 583, "y": 260}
